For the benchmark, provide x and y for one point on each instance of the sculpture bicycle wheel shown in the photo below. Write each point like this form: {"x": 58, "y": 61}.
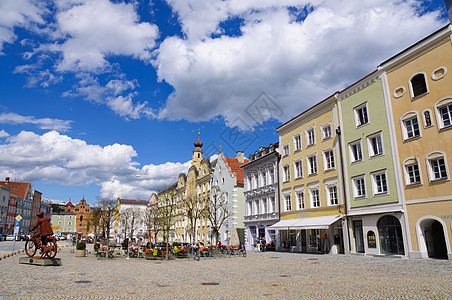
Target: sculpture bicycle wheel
{"x": 30, "y": 248}
{"x": 53, "y": 249}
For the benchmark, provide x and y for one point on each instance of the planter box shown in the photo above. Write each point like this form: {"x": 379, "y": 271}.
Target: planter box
{"x": 80, "y": 253}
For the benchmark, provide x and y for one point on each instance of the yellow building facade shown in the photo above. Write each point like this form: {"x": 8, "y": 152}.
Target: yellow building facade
{"x": 419, "y": 96}
{"x": 193, "y": 192}
{"x": 311, "y": 198}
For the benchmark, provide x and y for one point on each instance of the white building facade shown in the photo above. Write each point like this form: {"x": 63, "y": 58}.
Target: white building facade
{"x": 261, "y": 195}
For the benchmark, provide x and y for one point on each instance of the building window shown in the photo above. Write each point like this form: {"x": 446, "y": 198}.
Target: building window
{"x": 375, "y": 145}
{"x": 257, "y": 207}
{"x": 328, "y": 157}
{"x": 359, "y": 187}
{"x": 444, "y": 113}
{"x": 272, "y": 175}
{"x": 286, "y": 173}
{"x": 297, "y": 143}
{"x": 300, "y": 199}
{"x": 356, "y": 153}
{"x": 315, "y": 198}
{"x": 264, "y": 178}
{"x": 332, "y": 195}
{"x": 379, "y": 183}
{"x": 250, "y": 208}
{"x": 310, "y": 137}
{"x": 361, "y": 116}
{"x": 312, "y": 164}
{"x": 411, "y": 171}
{"x": 437, "y": 167}
{"x": 298, "y": 166}
{"x": 418, "y": 85}
{"x": 264, "y": 206}
{"x": 326, "y": 132}
{"x": 272, "y": 204}
{"x": 410, "y": 126}
{"x": 286, "y": 150}
{"x": 287, "y": 202}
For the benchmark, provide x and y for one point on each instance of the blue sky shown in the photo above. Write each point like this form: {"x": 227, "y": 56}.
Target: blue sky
{"x": 105, "y": 98}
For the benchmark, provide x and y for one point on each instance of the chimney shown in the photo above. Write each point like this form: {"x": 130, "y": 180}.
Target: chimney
{"x": 241, "y": 157}
{"x": 7, "y": 179}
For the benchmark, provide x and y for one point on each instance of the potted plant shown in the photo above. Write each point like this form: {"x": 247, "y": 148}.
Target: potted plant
{"x": 81, "y": 249}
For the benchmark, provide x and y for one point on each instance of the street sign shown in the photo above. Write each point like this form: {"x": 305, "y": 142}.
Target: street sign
{"x": 18, "y": 218}
{"x": 17, "y": 224}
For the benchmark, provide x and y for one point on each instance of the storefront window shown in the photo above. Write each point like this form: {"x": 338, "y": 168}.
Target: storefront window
{"x": 390, "y": 233}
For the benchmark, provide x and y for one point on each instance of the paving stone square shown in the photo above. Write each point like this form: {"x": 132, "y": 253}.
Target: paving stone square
{"x": 269, "y": 275}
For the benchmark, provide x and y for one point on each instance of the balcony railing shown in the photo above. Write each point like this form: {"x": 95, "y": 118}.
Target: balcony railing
{"x": 260, "y": 217}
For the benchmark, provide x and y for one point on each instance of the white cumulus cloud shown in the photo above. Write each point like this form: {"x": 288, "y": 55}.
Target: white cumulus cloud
{"x": 43, "y": 123}
{"x": 56, "y": 158}
{"x": 298, "y": 54}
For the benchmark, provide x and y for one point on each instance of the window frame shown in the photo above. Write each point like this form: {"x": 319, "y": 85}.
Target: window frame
{"x": 443, "y": 102}
{"x": 311, "y": 197}
{"x": 409, "y": 116}
{"x": 434, "y": 156}
{"x": 370, "y": 145}
{"x": 374, "y": 177}
{"x": 300, "y": 204}
{"x": 311, "y": 166}
{"x": 308, "y": 132}
{"x": 351, "y": 152}
{"x": 322, "y": 129}
{"x": 286, "y": 175}
{"x": 286, "y": 149}
{"x": 410, "y": 85}
{"x": 357, "y": 115}
{"x": 297, "y": 137}
{"x": 409, "y": 162}
{"x": 331, "y": 183}
{"x": 287, "y": 202}
{"x": 354, "y": 188}
{"x": 326, "y": 162}
{"x": 296, "y": 169}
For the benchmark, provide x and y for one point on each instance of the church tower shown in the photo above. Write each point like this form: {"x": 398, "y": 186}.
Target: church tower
{"x": 197, "y": 153}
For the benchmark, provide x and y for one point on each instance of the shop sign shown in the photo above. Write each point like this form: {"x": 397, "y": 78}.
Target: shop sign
{"x": 446, "y": 217}
{"x": 302, "y": 215}
{"x": 371, "y": 242}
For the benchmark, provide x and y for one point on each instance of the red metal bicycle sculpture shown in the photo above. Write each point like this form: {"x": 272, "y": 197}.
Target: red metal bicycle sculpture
{"x": 48, "y": 250}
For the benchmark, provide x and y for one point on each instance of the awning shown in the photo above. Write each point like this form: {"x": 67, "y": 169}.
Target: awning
{"x": 316, "y": 222}
{"x": 306, "y": 223}
{"x": 284, "y": 224}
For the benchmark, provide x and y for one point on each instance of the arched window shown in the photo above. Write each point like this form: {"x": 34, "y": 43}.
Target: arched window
{"x": 390, "y": 233}
{"x": 418, "y": 85}
{"x": 81, "y": 218}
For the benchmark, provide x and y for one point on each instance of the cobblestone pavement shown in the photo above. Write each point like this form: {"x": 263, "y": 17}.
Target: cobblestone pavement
{"x": 269, "y": 275}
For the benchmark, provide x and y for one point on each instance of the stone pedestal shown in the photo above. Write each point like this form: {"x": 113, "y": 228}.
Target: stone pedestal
{"x": 37, "y": 260}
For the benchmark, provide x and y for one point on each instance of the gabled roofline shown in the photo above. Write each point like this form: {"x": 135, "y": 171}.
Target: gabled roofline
{"x": 440, "y": 33}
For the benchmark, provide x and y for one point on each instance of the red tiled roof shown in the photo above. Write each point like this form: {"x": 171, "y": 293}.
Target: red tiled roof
{"x": 17, "y": 188}
{"x": 133, "y": 201}
{"x": 234, "y": 167}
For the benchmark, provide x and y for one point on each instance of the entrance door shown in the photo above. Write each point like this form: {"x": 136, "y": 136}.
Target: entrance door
{"x": 437, "y": 241}
{"x": 303, "y": 241}
{"x": 358, "y": 235}
{"x": 390, "y": 233}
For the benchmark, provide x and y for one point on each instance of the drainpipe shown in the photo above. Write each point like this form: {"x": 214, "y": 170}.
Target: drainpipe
{"x": 344, "y": 194}
{"x": 278, "y": 158}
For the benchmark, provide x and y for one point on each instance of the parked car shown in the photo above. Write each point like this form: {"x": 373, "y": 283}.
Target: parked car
{"x": 63, "y": 237}
{"x": 10, "y": 237}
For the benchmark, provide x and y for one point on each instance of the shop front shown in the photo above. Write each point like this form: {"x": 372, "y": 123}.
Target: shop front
{"x": 378, "y": 234}
{"x": 317, "y": 235}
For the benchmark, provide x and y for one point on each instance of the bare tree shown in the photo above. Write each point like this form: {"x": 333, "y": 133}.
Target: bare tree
{"x": 129, "y": 219}
{"x": 217, "y": 211}
{"x": 94, "y": 222}
{"x": 108, "y": 215}
{"x": 194, "y": 209}
{"x": 151, "y": 219}
{"x": 167, "y": 213}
